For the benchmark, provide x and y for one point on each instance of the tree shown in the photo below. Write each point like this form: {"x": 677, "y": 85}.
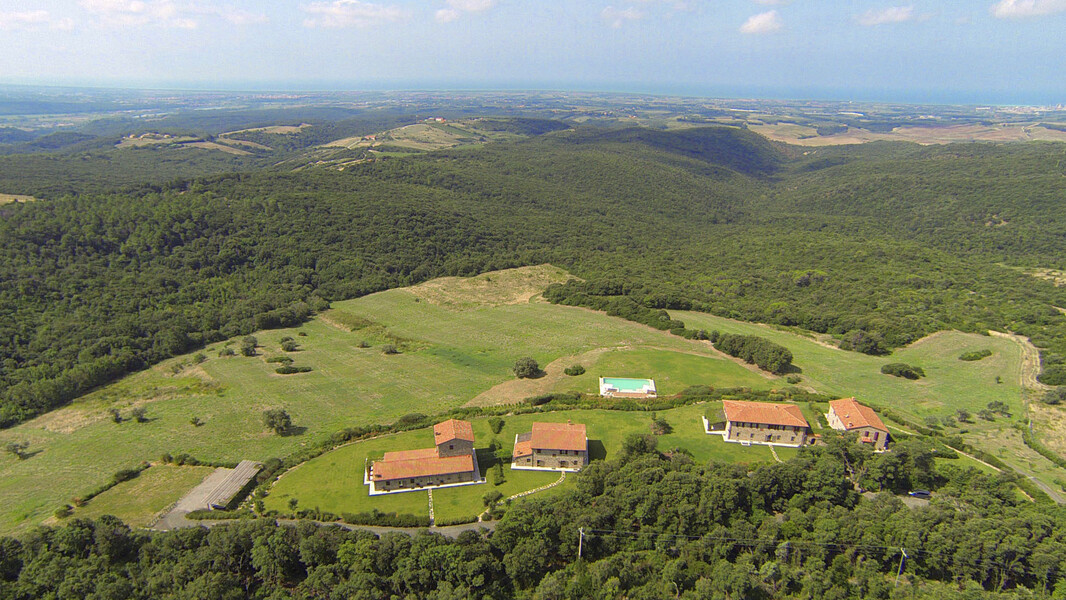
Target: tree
{"x": 290, "y": 346}
{"x": 116, "y": 416}
{"x": 195, "y": 421}
{"x": 139, "y": 414}
{"x": 278, "y": 420}
{"x": 18, "y": 449}
{"x": 525, "y": 367}
{"x": 496, "y": 424}
{"x": 964, "y": 416}
{"x": 248, "y": 345}
{"x": 639, "y": 443}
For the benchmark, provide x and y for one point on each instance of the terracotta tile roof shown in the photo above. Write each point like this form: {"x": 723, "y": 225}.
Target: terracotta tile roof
{"x": 522, "y": 448}
{"x": 559, "y": 436}
{"x": 854, "y": 415}
{"x": 384, "y": 470}
{"x": 764, "y": 413}
{"x": 453, "y": 429}
{"x": 419, "y": 454}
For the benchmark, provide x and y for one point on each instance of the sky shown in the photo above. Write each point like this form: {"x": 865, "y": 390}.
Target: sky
{"x": 960, "y": 51}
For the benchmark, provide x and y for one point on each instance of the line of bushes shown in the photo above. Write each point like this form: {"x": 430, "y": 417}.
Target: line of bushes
{"x": 753, "y": 349}
{"x": 975, "y": 355}
{"x": 119, "y": 476}
{"x": 204, "y": 514}
{"x": 1031, "y": 441}
{"x": 186, "y": 459}
{"x": 456, "y": 521}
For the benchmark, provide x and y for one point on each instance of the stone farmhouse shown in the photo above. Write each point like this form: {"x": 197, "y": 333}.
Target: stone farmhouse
{"x": 551, "y": 447}
{"x": 848, "y": 415}
{"x": 765, "y": 423}
{"x": 451, "y": 462}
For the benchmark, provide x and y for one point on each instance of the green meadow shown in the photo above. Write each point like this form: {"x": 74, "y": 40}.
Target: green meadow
{"x": 334, "y": 481}
{"x": 458, "y": 339}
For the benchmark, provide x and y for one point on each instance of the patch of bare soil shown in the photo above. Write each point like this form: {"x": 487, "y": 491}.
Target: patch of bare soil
{"x": 219, "y": 147}
{"x": 68, "y": 420}
{"x": 509, "y": 286}
{"x": 1052, "y": 275}
{"x": 516, "y": 390}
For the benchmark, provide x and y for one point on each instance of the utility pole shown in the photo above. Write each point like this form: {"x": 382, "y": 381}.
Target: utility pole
{"x": 580, "y": 539}
{"x": 900, "y": 570}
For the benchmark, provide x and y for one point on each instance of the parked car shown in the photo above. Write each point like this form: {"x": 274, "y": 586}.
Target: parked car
{"x": 922, "y": 494}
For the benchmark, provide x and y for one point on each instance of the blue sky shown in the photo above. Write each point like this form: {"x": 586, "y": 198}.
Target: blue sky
{"x": 995, "y": 51}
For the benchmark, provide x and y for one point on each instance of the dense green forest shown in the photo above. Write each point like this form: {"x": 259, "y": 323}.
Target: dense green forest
{"x": 649, "y": 524}
{"x": 877, "y": 245}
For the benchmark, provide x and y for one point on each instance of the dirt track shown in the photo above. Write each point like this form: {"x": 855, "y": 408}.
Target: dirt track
{"x": 1030, "y": 361}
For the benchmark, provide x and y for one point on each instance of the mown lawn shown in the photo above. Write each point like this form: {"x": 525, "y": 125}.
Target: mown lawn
{"x": 333, "y": 481}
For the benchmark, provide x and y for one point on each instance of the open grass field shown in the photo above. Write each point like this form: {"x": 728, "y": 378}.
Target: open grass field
{"x": 460, "y": 338}
{"x": 458, "y": 353}
{"x": 8, "y": 198}
{"x": 141, "y": 499}
{"x": 334, "y": 481}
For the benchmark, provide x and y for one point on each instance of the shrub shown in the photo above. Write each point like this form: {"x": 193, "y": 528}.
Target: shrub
{"x": 496, "y": 424}
{"x": 287, "y": 338}
{"x": 301, "y": 333}
{"x": 574, "y": 370}
{"x": 199, "y": 357}
{"x": 126, "y": 475}
{"x": 226, "y": 352}
{"x": 793, "y": 379}
{"x": 289, "y": 370}
{"x": 491, "y": 498}
{"x": 390, "y": 349}
{"x": 195, "y": 421}
{"x": 1054, "y": 397}
{"x": 116, "y": 416}
{"x": 63, "y": 511}
{"x": 975, "y": 355}
{"x": 903, "y": 370}
{"x": 363, "y": 344}
{"x": 280, "y": 359}
{"x": 290, "y": 345}
{"x": 139, "y": 414}
{"x": 411, "y": 419}
{"x": 248, "y": 345}
{"x": 659, "y": 426}
{"x": 525, "y": 367}
{"x": 986, "y": 414}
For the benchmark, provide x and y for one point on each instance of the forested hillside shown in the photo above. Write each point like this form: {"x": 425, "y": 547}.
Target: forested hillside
{"x": 876, "y": 246}
{"x": 648, "y": 525}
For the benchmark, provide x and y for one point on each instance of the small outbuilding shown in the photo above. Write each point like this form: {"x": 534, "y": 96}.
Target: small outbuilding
{"x": 849, "y": 416}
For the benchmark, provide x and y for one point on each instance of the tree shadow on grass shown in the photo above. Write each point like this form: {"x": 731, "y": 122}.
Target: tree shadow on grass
{"x": 294, "y": 430}
{"x": 597, "y": 451}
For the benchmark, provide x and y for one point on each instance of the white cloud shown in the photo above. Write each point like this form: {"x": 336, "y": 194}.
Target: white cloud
{"x": 1006, "y": 9}
{"x": 351, "y": 13}
{"x": 33, "y": 19}
{"x": 447, "y": 15}
{"x": 767, "y": 22}
{"x": 167, "y": 13}
{"x": 617, "y": 17}
{"x": 892, "y": 14}
{"x": 456, "y": 9}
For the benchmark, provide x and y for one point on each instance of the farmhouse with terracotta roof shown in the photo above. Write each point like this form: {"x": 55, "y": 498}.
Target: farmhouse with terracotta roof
{"x": 848, "y": 415}
{"x": 551, "y": 446}
{"x": 451, "y": 462}
{"x": 765, "y": 423}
